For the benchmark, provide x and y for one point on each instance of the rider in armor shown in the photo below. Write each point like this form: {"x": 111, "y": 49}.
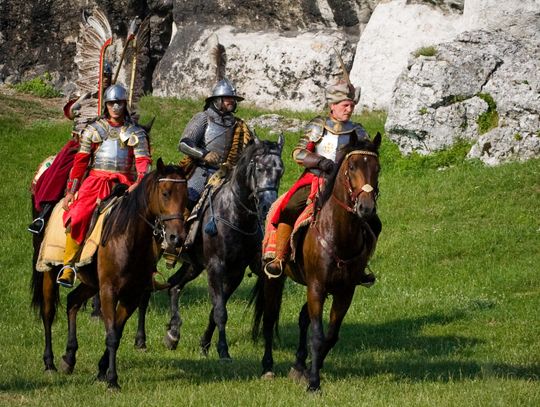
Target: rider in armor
{"x": 209, "y": 137}
{"x": 50, "y": 186}
{"x": 316, "y": 152}
{"x": 113, "y": 150}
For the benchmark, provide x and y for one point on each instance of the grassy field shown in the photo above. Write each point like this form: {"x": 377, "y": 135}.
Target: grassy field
{"x": 452, "y": 321}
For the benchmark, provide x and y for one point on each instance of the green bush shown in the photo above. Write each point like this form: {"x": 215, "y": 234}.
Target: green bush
{"x": 39, "y": 86}
{"x": 430, "y": 51}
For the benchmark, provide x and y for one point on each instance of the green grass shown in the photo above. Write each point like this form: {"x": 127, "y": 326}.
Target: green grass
{"x": 453, "y": 319}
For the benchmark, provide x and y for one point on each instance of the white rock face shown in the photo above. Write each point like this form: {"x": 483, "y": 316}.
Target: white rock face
{"x": 439, "y": 100}
{"x": 520, "y": 18}
{"x": 395, "y": 30}
{"x": 269, "y": 69}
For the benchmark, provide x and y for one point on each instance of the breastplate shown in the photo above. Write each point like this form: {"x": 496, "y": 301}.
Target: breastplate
{"x": 217, "y": 137}
{"x": 330, "y": 143}
{"x": 112, "y": 155}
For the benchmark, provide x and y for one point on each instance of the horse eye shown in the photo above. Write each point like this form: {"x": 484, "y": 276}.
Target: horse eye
{"x": 165, "y": 193}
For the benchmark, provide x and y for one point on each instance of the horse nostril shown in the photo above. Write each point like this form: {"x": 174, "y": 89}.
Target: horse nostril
{"x": 174, "y": 240}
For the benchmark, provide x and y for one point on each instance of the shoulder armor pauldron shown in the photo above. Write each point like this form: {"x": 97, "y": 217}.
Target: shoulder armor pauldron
{"x": 98, "y": 131}
{"x": 315, "y": 129}
{"x": 131, "y": 134}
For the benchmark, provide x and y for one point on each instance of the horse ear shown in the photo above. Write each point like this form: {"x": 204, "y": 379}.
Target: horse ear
{"x": 377, "y": 140}
{"x": 160, "y": 166}
{"x": 256, "y": 139}
{"x": 148, "y": 126}
{"x": 281, "y": 141}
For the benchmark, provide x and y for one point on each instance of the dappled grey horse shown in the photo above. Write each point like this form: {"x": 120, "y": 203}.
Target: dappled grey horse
{"x": 235, "y": 218}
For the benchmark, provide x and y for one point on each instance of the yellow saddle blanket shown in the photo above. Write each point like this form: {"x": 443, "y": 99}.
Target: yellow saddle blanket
{"x": 51, "y": 253}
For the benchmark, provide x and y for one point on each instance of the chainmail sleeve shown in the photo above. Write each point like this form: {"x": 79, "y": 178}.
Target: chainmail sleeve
{"x": 192, "y": 141}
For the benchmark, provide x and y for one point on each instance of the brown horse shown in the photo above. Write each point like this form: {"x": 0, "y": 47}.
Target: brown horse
{"x": 331, "y": 260}
{"x": 122, "y": 267}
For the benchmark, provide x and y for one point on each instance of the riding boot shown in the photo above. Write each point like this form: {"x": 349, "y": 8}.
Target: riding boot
{"x": 274, "y": 268}
{"x": 38, "y": 223}
{"x": 68, "y": 273}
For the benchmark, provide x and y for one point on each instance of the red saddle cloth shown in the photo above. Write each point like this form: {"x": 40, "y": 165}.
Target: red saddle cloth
{"x": 304, "y": 220}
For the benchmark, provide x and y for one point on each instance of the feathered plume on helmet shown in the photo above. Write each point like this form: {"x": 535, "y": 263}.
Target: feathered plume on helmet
{"x": 342, "y": 89}
{"x": 223, "y": 86}
{"x": 95, "y": 38}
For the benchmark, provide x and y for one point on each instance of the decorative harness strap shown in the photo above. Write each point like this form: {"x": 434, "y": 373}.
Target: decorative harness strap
{"x": 340, "y": 263}
{"x": 158, "y": 228}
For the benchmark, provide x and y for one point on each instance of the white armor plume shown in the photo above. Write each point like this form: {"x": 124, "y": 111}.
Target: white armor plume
{"x": 96, "y": 37}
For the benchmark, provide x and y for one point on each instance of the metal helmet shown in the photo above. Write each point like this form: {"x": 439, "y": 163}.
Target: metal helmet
{"x": 114, "y": 93}
{"x": 224, "y": 88}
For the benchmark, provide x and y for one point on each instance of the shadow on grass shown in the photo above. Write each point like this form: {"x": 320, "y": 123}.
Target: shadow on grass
{"x": 407, "y": 353}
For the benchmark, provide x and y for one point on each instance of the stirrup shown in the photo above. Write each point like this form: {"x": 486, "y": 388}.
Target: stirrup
{"x": 65, "y": 283}
{"x": 270, "y": 275}
{"x": 37, "y": 225}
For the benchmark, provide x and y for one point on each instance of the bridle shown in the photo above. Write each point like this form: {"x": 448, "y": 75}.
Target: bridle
{"x": 253, "y": 198}
{"x": 158, "y": 227}
{"x": 353, "y": 196}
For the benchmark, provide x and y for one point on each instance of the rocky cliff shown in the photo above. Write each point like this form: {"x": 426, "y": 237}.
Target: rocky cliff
{"x": 281, "y": 55}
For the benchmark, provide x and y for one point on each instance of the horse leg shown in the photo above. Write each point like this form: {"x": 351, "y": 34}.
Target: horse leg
{"x": 229, "y": 287}
{"x": 140, "y": 336}
{"x": 114, "y": 326}
{"x": 315, "y": 301}
{"x": 299, "y": 370}
{"x": 75, "y": 300}
{"x": 96, "y": 307}
{"x": 206, "y": 338}
{"x": 340, "y": 306}
{"x": 273, "y": 293}
{"x": 220, "y": 292}
{"x": 184, "y": 275}
{"x": 48, "y": 312}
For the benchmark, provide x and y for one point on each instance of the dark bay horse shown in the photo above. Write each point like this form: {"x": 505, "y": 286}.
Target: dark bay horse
{"x": 330, "y": 260}
{"x": 238, "y": 210}
{"x": 122, "y": 267}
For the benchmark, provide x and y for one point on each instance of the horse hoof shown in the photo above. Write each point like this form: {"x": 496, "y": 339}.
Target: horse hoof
{"x": 268, "y": 376}
{"x": 313, "y": 389}
{"x": 226, "y": 359}
{"x": 140, "y": 345}
{"x": 298, "y": 376}
{"x": 170, "y": 341}
{"x": 101, "y": 377}
{"x": 50, "y": 370}
{"x": 66, "y": 367}
{"x": 113, "y": 386}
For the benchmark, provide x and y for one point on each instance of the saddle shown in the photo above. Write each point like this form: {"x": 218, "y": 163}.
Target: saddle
{"x": 193, "y": 225}
{"x": 299, "y": 229}
{"x": 51, "y": 253}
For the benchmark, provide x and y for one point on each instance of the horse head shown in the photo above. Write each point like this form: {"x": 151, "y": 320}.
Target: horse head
{"x": 358, "y": 177}
{"x": 168, "y": 203}
{"x": 263, "y": 173}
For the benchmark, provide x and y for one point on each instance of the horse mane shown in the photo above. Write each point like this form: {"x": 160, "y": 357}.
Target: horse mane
{"x": 262, "y": 146}
{"x": 364, "y": 144}
{"x": 134, "y": 204}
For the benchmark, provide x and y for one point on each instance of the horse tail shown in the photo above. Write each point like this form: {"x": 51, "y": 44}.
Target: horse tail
{"x": 257, "y": 298}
